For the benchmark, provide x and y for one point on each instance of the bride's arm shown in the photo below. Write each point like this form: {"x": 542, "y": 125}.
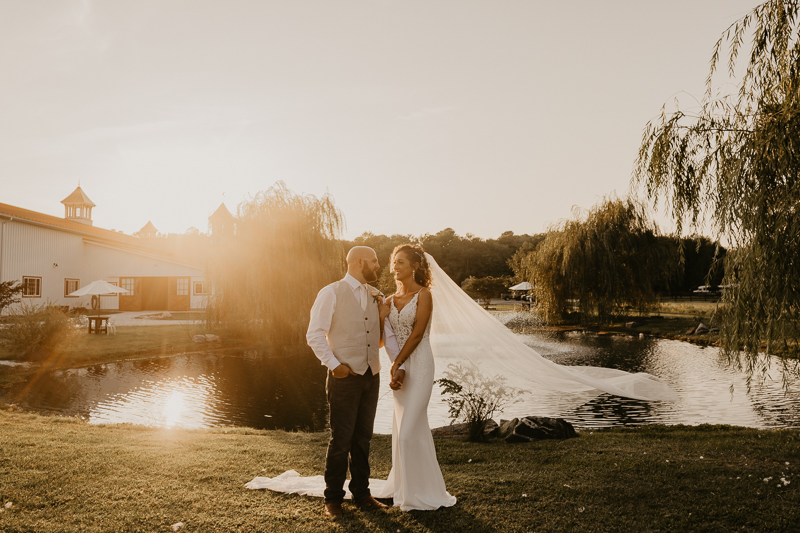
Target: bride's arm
{"x": 424, "y": 311}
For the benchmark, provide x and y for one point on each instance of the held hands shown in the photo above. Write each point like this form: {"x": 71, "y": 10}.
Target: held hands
{"x": 342, "y": 371}
{"x": 398, "y": 376}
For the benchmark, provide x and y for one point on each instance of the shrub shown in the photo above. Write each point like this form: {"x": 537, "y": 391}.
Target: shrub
{"x": 485, "y": 288}
{"x": 36, "y": 333}
{"x": 10, "y": 292}
{"x": 519, "y": 321}
{"x": 474, "y": 398}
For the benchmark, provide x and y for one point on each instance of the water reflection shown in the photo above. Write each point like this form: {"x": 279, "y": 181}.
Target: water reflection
{"x": 289, "y": 393}
{"x": 193, "y": 391}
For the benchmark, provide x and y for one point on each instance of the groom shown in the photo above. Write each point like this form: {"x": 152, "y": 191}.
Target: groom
{"x": 345, "y": 334}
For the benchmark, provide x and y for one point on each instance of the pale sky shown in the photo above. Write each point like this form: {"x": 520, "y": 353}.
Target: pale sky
{"x": 415, "y": 116}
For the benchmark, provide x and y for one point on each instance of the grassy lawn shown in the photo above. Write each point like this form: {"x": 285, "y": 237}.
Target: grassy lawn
{"x": 130, "y": 342}
{"x": 64, "y": 475}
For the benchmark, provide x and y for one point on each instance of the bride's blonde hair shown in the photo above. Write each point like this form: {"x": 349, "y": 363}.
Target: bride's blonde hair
{"x": 415, "y": 254}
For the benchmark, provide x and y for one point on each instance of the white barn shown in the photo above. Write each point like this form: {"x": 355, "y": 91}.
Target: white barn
{"x": 53, "y": 257}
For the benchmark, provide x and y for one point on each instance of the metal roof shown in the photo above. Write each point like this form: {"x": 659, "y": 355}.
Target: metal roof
{"x": 78, "y": 197}
{"x": 110, "y": 237}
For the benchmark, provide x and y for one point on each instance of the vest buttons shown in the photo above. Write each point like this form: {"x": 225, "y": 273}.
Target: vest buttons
{"x": 365, "y": 318}
{"x": 367, "y": 345}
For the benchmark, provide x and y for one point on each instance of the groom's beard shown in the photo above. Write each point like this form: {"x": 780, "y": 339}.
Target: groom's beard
{"x": 370, "y": 275}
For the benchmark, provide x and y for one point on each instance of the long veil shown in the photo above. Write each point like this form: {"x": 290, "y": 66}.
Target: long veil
{"x": 463, "y": 331}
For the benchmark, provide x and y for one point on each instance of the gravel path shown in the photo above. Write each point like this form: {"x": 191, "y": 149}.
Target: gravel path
{"x": 128, "y": 318}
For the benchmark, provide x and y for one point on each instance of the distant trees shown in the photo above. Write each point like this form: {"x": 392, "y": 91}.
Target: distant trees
{"x": 736, "y": 163}
{"x": 602, "y": 261}
{"x": 462, "y": 257}
{"x": 383, "y": 247}
{"x": 701, "y": 263}
{"x": 459, "y": 256}
{"x": 267, "y": 276}
{"x": 486, "y": 288}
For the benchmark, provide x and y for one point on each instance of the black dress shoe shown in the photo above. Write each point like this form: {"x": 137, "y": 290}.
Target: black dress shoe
{"x": 368, "y": 502}
{"x": 333, "y": 510}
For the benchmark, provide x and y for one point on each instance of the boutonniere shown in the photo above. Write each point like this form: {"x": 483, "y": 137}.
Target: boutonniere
{"x": 376, "y": 295}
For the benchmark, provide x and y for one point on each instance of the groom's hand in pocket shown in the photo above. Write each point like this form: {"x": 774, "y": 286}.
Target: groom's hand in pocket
{"x": 341, "y": 371}
{"x": 397, "y": 380}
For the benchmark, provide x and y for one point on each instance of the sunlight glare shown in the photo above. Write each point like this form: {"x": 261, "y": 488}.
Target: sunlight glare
{"x": 173, "y": 408}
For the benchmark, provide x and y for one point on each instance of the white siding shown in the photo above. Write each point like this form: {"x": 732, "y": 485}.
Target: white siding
{"x": 53, "y": 255}
{"x": 198, "y": 301}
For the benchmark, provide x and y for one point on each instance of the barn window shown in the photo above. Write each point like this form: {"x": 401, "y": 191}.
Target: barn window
{"x": 31, "y": 287}
{"x": 127, "y": 284}
{"x": 183, "y": 286}
{"x": 70, "y": 286}
{"x": 202, "y": 288}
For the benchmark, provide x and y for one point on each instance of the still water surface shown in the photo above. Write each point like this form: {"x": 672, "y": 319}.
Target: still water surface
{"x": 199, "y": 391}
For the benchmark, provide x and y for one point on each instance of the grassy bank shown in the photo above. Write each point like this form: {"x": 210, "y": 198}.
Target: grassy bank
{"x": 670, "y": 320}
{"x": 64, "y": 475}
{"x": 130, "y": 342}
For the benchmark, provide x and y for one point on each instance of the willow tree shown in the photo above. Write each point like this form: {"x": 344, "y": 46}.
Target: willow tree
{"x": 265, "y": 278}
{"x": 606, "y": 262}
{"x": 734, "y": 164}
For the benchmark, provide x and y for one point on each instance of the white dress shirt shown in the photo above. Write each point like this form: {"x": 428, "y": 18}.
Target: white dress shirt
{"x": 320, "y": 325}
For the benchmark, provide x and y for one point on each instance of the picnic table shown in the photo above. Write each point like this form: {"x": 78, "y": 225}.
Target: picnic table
{"x": 98, "y": 324}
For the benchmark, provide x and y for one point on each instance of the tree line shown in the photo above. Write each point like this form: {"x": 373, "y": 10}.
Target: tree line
{"x": 461, "y": 257}
{"x": 604, "y": 262}
{"x": 609, "y": 259}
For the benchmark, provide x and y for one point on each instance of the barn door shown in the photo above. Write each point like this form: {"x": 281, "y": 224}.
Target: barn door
{"x": 132, "y": 300}
{"x": 179, "y": 298}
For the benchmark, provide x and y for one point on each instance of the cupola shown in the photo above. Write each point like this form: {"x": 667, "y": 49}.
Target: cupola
{"x": 222, "y": 223}
{"x": 78, "y": 207}
{"x": 149, "y": 230}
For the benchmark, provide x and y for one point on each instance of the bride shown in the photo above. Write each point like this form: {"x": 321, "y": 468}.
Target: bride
{"x": 430, "y": 314}
{"x": 415, "y": 481}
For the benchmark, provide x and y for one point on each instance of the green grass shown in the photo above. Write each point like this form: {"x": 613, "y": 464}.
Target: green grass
{"x": 65, "y": 475}
{"x": 687, "y": 309}
{"x": 130, "y": 342}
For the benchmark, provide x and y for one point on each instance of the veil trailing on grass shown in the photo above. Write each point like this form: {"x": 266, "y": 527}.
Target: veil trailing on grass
{"x": 462, "y": 331}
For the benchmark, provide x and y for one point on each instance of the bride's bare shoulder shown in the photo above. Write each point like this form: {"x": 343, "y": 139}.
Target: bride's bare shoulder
{"x": 425, "y": 294}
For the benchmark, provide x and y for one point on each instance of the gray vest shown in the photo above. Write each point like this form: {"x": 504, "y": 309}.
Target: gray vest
{"x": 355, "y": 334}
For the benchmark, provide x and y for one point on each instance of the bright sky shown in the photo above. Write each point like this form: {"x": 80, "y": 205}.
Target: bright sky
{"x": 414, "y": 115}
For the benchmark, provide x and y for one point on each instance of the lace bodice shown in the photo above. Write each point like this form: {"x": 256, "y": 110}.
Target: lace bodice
{"x": 420, "y": 363}
{"x": 403, "y": 321}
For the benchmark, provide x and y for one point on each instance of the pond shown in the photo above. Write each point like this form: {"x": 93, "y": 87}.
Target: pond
{"x": 202, "y": 390}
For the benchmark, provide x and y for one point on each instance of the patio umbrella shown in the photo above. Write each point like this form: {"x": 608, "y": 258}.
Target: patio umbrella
{"x": 524, "y": 286}
{"x": 98, "y": 288}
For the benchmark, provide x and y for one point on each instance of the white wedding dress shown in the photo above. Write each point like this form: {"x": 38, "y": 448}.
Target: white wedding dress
{"x": 415, "y": 482}
{"x": 460, "y": 331}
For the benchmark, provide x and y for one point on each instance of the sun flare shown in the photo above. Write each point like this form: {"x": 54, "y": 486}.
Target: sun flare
{"x": 173, "y": 408}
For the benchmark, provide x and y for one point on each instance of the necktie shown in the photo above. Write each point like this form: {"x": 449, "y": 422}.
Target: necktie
{"x": 364, "y": 296}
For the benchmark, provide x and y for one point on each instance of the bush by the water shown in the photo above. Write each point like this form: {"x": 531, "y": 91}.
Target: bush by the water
{"x": 519, "y": 321}
{"x": 474, "y": 398}
{"x": 35, "y": 333}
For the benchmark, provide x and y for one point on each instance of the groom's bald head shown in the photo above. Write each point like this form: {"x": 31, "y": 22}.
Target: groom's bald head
{"x": 362, "y": 264}
{"x": 359, "y": 252}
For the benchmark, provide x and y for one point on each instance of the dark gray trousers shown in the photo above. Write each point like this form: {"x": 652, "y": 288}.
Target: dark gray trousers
{"x": 352, "y": 402}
